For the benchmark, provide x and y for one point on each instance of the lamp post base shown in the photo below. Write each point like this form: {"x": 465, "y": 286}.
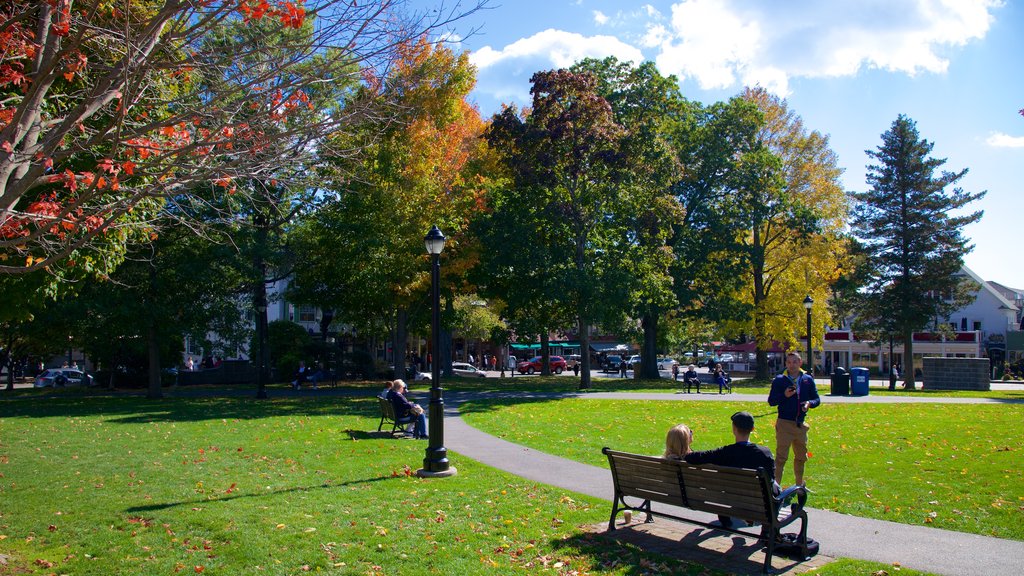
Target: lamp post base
{"x": 424, "y": 473}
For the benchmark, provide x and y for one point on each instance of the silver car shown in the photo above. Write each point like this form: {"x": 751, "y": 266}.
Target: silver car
{"x": 55, "y": 377}
{"x": 466, "y": 369}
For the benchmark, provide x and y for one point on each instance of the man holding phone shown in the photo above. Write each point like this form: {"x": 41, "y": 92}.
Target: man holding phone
{"x": 794, "y": 392}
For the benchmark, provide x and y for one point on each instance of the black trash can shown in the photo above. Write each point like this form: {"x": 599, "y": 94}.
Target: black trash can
{"x": 840, "y": 382}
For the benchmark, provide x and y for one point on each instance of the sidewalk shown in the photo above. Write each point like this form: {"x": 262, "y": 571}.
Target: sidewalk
{"x": 918, "y": 547}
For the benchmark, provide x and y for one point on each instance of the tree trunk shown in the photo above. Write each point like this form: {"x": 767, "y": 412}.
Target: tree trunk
{"x": 649, "y": 352}
{"x": 153, "y": 344}
{"x": 152, "y": 341}
{"x": 401, "y": 336}
{"x": 545, "y": 355}
{"x": 761, "y": 372}
{"x": 584, "y": 353}
{"x": 908, "y": 360}
{"x": 444, "y": 356}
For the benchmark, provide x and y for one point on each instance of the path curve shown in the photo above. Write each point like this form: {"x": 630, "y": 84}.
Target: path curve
{"x": 929, "y": 549}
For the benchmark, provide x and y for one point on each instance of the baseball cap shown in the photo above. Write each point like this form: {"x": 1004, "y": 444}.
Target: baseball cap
{"x": 743, "y": 420}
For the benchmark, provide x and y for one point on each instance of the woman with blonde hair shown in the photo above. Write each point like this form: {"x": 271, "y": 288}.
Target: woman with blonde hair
{"x": 678, "y": 442}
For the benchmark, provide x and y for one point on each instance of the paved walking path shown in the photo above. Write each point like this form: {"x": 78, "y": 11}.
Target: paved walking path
{"x": 841, "y": 535}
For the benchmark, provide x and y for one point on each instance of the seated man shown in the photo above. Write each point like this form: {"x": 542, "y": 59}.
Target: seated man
{"x": 691, "y": 379}
{"x": 405, "y": 408}
{"x": 742, "y": 454}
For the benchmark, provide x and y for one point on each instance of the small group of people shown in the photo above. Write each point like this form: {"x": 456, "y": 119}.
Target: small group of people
{"x": 304, "y": 374}
{"x": 394, "y": 391}
{"x": 690, "y": 378}
{"x": 793, "y": 393}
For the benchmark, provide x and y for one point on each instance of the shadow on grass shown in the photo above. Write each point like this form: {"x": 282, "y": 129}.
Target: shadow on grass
{"x": 208, "y": 501}
{"x": 134, "y": 410}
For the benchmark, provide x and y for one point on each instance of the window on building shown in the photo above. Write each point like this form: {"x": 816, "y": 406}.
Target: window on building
{"x": 977, "y": 326}
{"x": 307, "y": 314}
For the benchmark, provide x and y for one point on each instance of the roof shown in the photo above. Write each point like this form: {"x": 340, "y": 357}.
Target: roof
{"x": 1005, "y": 303}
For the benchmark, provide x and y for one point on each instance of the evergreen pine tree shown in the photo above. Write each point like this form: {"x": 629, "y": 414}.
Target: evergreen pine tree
{"x": 911, "y": 226}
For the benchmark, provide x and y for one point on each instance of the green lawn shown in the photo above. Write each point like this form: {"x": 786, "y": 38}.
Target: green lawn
{"x": 125, "y": 485}
{"x": 950, "y": 466}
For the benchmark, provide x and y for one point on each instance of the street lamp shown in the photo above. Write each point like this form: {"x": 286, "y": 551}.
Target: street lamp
{"x": 261, "y": 338}
{"x": 435, "y": 464}
{"x": 808, "y": 304}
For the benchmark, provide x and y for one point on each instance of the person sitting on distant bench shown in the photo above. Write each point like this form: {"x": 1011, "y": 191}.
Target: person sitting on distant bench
{"x": 404, "y": 408}
{"x": 742, "y": 454}
{"x": 691, "y": 379}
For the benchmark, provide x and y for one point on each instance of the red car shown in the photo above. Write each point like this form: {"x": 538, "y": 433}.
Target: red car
{"x": 533, "y": 365}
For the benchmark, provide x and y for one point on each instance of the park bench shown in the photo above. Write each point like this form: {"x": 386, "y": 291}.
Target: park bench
{"x": 734, "y": 492}
{"x": 387, "y": 416}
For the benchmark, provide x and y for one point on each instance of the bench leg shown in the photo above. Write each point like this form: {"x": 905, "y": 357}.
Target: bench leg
{"x": 615, "y": 512}
{"x": 381, "y": 425}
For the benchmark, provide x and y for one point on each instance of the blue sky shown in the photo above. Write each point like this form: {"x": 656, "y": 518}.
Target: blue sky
{"x": 848, "y": 67}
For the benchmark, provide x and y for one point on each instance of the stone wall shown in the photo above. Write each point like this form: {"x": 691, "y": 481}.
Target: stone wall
{"x": 956, "y": 374}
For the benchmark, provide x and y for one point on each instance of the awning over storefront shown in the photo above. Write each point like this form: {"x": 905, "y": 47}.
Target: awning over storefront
{"x": 525, "y": 346}
{"x": 609, "y": 347}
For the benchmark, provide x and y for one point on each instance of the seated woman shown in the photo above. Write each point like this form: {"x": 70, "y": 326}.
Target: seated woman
{"x": 722, "y": 379}
{"x": 405, "y": 408}
{"x": 678, "y": 442}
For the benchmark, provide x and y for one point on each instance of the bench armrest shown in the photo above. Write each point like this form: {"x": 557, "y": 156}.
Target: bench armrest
{"x": 799, "y": 493}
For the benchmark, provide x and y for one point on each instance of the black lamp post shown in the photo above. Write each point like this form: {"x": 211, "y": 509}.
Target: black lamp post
{"x": 808, "y": 304}
{"x": 435, "y": 464}
{"x": 261, "y": 338}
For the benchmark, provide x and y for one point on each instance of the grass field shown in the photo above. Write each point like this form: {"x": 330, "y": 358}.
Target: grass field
{"x": 295, "y": 485}
{"x": 950, "y": 466}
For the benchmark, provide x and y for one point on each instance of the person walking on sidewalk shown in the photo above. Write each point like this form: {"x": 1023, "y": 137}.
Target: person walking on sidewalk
{"x": 794, "y": 393}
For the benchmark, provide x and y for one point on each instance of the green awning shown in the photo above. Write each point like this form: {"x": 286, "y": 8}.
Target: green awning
{"x": 525, "y": 346}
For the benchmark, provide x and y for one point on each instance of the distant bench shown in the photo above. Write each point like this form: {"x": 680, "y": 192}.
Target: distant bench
{"x": 387, "y": 416}
{"x": 734, "y": 492}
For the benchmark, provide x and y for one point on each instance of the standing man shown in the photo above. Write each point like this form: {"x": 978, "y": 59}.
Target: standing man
{"x": 794, "y": 393}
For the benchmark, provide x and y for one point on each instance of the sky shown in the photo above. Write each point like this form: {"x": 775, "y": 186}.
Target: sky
{"x": 847, "y": 67}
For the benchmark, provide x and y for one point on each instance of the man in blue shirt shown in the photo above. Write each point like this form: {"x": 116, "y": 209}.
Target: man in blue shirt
{"x": 794, "y": 393}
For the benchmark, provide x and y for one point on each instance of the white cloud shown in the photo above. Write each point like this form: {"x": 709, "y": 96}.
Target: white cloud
{"x": 655, "y": 36}
{"x": 503, "y": 74}
{"x": 599, "y": 18}
{"x": 558, "y": 48}
{"x": 1000, "y": 140}
{"x": 720, "y": 43}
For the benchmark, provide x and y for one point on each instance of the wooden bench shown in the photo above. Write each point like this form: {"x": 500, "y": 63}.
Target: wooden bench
{"x": 734, "y": 492}
{"x": 387, "y": 416}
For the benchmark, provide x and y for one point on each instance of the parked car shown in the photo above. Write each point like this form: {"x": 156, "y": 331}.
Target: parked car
{"x": 611, "y": 363}
{"x": 571, "y": 361}
{"x": 534, "y": 364}
{"x": 666, "y": 363}
{"x": 466, "y": 369}
{"x": 55, "y": 377}
{"x": 726, "y": 358}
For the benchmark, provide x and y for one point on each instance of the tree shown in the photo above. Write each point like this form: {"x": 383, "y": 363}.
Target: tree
{"x": 795, "y": 210}
{"x": 362, "y": 253}
{"x": 646, "y": 105}
{"x": 708, "y": 270}
{"x": 911, "y": 226}
{"x": 560, "y": 206}
{"x": 106, "y": 109}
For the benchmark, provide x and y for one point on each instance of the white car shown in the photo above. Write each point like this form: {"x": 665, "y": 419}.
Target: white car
{"x": 666, "y": 363}
{"x": 727, "y": 358}
{"x": 62, "y": 377}
{"x": 633, "y": 361}
{"x": 466, "y": 369}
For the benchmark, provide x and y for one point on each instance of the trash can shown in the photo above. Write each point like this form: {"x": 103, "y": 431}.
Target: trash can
{"x": 840, "y": 382}
{"x": 859, "y": 381}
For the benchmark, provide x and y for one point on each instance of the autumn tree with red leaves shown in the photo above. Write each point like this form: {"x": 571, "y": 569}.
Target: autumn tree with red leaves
{"x": 109, "y": 109}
